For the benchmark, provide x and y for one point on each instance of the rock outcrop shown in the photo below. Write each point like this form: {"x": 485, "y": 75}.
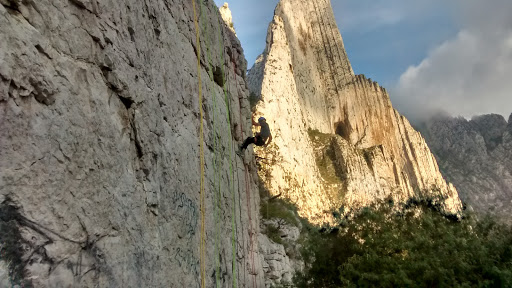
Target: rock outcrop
{"x": 337, "y": 139}
{"x": 476, "y": 156}
{"x": 225, "y": 12}
{"x": 100, "y": 145}
{"x": 278, "y": 265}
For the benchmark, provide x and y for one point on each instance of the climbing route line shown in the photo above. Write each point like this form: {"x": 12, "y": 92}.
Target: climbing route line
{"x": 201, "y": 148}
{"x": 248, "y": 195}
{"x": 225, "y": 81}
{"x": 232, "y": 182}
{"x": 217, "y": 174}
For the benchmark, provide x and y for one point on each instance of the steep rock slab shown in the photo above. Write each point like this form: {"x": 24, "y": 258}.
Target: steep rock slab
{"x": 306, "y": 84}
{"x": 476, "y": 156}
{"x": 99, "y": 144}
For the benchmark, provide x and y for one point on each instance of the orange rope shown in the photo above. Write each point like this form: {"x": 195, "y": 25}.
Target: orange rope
{"x": 201, "y": 150}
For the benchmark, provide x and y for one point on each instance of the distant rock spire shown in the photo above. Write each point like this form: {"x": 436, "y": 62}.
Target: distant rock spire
{"x": 225, "y": 12}
{"x": 339, "y": 139}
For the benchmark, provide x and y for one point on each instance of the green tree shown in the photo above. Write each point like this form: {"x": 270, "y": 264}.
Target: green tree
{"x": 417, "y": 247}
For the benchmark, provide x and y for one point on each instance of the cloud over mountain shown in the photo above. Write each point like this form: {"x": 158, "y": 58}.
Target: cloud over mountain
{"x": 467, "y": 75}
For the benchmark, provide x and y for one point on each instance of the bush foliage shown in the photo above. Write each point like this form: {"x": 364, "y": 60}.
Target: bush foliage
{"x": 417, "y": 247}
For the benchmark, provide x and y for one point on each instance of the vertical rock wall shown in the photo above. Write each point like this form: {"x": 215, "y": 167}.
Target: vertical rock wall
{"x": 326, "y": 122}
{"x": 99, "y": 144}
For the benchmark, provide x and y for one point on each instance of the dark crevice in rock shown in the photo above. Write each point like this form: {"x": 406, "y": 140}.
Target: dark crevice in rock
{"x": 342, "y": 130}
{"x": 12, "y": 5}
{"x": 368, "y": 155}
{"x": 218, "y": 76}
{"x": 127, "y": 102}
{"x": 132, "y": 33}
{"x": 136, "y": 140}
{"x": 78, "y": 3}
{"x": 44, "y": 97}
{"x": 41, "y": 50}
{"x": 95, "y": 39}
{"x": 362, "y": 137}
{"x": 156, "y": 26}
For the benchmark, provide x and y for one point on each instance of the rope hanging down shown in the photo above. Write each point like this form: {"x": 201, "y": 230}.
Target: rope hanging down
{"x": 201, "y": 148}
{"x": 232, "y": 182}
{"x": 217, "y": 174}
{"x": 248, "y": 195}
{"x": 228, "y": 116}
{"x": 202, "y": 162}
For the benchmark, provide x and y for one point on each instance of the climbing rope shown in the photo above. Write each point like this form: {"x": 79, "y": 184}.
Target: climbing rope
{"x": 202, "y": 162}
{"x": 217, "y": 175}
{"x": 201, "y": 149}
{"x": 228, "y": 116}
{"x": 248, "y": 195}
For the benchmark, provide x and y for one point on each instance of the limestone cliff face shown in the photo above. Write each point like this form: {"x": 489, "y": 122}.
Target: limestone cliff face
{"x": 225, "y": 12}
{"x": 99, "y": 145}
{"x": 476, "y": 156}
{"x": 337, "y": 139}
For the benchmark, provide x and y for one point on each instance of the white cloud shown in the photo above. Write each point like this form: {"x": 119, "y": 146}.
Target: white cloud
{"x": 366, "y": 15}
{"x": 468, "y": 75}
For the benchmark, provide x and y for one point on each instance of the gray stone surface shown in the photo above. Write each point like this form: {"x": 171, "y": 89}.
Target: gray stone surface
{"x": 280, "y": 261}
{"x": 5, "y": 280}
{"x": 476, "y": 156}
{"x": 99, "y": 143}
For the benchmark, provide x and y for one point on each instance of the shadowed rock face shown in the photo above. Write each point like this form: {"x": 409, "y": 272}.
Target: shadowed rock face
{"x": 476, "y": 156}
{"x": 99, "y": 144}
{"x": 306, "y": 83}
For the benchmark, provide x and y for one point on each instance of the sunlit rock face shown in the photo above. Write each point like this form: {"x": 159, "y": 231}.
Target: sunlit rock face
{"x": 225, "y": 12}
{"x": 100, "y": 145}
{"x": 337, "y": 139}
{"x": 476, "y": 155}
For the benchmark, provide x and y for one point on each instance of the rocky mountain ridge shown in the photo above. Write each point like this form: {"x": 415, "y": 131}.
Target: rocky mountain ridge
{"x": 476, "y": 156}
{"x": 338, "y": 140}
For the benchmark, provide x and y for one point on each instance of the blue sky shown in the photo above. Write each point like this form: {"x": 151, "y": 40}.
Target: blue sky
{"x": 428, "y": 53}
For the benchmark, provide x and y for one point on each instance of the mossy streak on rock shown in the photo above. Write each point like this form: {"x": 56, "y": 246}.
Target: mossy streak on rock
{"x": 333, "y": 175}
{"x": 325, "y": 156}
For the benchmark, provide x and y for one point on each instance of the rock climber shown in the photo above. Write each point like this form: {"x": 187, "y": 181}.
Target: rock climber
{"x": 260, "y": 139}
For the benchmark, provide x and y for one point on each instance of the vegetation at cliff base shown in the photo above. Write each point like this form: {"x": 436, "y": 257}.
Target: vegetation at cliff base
{"x": 416, "y": 247}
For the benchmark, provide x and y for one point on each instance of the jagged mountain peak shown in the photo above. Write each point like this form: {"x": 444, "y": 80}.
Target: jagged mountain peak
{"x": 338, "y": 139}
{"x": 475, "y": 155}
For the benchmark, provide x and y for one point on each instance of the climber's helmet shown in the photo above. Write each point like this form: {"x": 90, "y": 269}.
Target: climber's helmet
{"x": 261, "y": 119}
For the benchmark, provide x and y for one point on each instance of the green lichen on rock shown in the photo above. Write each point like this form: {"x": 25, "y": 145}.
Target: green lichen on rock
{"x": 325, "y": 156}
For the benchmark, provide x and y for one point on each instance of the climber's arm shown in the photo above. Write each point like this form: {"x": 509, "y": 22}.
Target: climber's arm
{"x": 254, "y": 122}
{"x": 269, "y": 140}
